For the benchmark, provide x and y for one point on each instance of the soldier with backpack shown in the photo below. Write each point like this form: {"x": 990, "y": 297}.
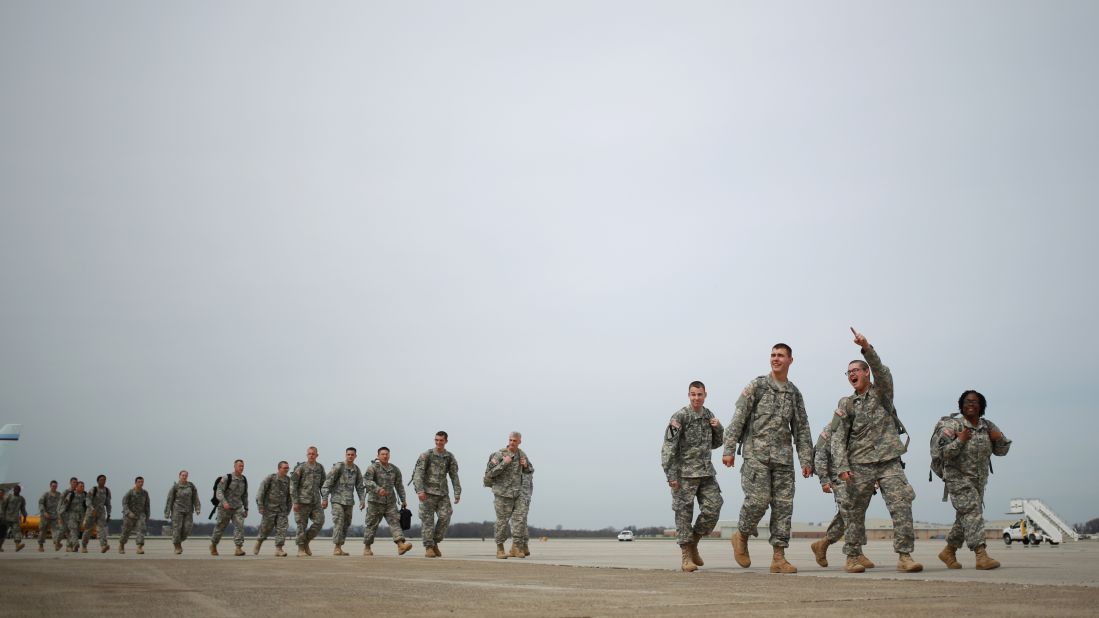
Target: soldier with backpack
{"x": 961, "y": 452}
{"x": 135, "y": 514}
{"x": 770, "y": 414}
{"x": 273, "y": 501}
{"x": 830, "y": 484}
{"x": 384, "y": 487}
{"x": 305, "y": 492}
{"x": 433, "y": 466}
{"x": 231, "y": 503}
{"x": 64, "y": 515}
{"x": 504, "y": 474}
{"x": 691, "y": 435}
{"x": 867, "y": 449}
{"x": 343, "y": 482}
{"x": 183, "y": 504}
{"x": 98, "y": 514}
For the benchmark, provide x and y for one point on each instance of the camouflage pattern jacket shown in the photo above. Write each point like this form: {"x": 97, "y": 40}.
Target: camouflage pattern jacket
{"x": 822, "y": 454}
{"x": 182, "y": 497}
{"x": 507, "y": 478}
{"x": 306, "y": 482}
{"x": 432, "y": 468}
{"x": 99, "y": 501}
{"x": 867, "y": 432}
{"x": 343, "y": 482}
{"x": 273, "y": 495}
{"x": 236, "y": 494}
{"x": 769, "y": 416}
{"x": 687, "y": 449}
{"x": 13, "y": 509}
{"x": 48, "y": 504}
{"x": 135, "y": 502}
{"x": 969, "y": 460}
{"x": 388, "y": 478}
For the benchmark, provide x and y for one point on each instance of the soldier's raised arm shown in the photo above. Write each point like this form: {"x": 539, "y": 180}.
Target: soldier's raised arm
{"x": 1000, "y": 443}
{"x": 883, "y": 378}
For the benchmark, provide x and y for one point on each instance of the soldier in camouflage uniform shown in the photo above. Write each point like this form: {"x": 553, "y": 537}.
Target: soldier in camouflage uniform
{"x": 429, "y": 479}
{"x": 504, "y": 473}
{"x": 966, "y": 445}
{"x": 75, "y": 510}
{"x": 98, "y": 514}
{"x": 384, "y": 487}
{"x": 867, "y": 451}
{"x": 343, "y": 482}
{"x": 48, "y": 518}
{"x": 770, "y": 413}
{"x": 522, "y": 511}
{"x": 692, "y": 433}
{"x": 63, "y": 516}
{"x": 135, "y": 514}
{"x": 183, "y": 504}
{"x": 273, "y": 501}
{"x": 13, "y": 510}
{"x": 232, "y": 495}
{"x": 830, "y": 484}
{"x": 305, "y": 491}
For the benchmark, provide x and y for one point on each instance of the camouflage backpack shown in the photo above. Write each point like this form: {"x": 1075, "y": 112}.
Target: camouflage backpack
{"x": 938, "y": 441}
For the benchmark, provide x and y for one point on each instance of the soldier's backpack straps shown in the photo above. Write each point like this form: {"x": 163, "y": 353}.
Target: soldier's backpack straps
{"x": 747, "y": 433}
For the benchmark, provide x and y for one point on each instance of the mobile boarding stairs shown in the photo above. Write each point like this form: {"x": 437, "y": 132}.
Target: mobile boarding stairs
{"x": 1053, "y": 526}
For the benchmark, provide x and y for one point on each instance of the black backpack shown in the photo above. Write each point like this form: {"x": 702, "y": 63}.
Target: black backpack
{"x": 214, "y": 498}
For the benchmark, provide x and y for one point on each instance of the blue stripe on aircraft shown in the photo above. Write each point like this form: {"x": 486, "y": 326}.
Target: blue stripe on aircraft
{"x": 9, "y": 436}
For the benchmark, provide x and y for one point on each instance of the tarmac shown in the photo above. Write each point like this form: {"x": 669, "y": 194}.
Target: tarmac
{"x": 562, "y": 577}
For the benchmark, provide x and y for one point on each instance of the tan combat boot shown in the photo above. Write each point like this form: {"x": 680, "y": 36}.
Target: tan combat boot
{"x": 949, "y": 556}
{"x": 301, "y": 551}
{"x": 779, "y": 563}
{"x": 740, "y": 550}
{"x": 526, "y": 550}
{"x": 213, "y": 549}
{"x": 305, "y": 547}
{"x": 255, "y": 548}
{"x": 19, "y": 547}
{"x": 403, "y": 547}
{"x": 688, "y": 566}
{"x": 853, "y": 565}
{"x": 239, "y": 551}
{"x": 178, "y": 548}
{"x": 514, "y": 551}
{"x": 141, "y": 549}
{"x": 41, "y": 547}
{"x": 367, "y": 551}
{"x": 500, "y": 553}
{"x": 521, "y": 551}
{"x": 102, "y": 549}
{"x": 984, "y": 563}
{"x": 429, "y": 552}
{"x": 121, "y": 548}
{"x": 905, "y": 564}
{"x": 435, "y": 548}
{"x": 280, "y": 552}
{"x": 84, "y": 548}
{"x": 820, "y": 551}
{"x": 693, "y": 548}
{"x": 338, "y": 551}
{"x": 864, "y": 561}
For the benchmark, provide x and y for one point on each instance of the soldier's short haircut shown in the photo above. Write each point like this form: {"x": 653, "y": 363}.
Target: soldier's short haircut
{"x": 236, "y": 461}
{"x": 79, "y": 483}
{"x": 53, "y": 482}
{"x": 283, "y": 463}
{"x": 352, "y": 449}
{"x": 861, "y": 363}
{"x": 515, "y": 434}
{"x": 73, "y": 479}
{"x": 383, "y": 448}
{"x": 182, "y": 471}
{"x": 311, "y": 448}
{"x": 140, "y": 478}
{"x": 101, "y": 477}
{"x": 696, "y": 384}
{"x": 980, "y": 398}
{"x": 443, "y": 434}
{"x": 783, "y": 346}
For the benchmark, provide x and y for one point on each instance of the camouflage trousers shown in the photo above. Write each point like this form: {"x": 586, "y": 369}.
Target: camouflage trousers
{"x": 898, "y": 496}
{"x": 507, "y": 512}
{"x": 182, "y": 522}
{"x": 47, "y": 524}
{"x": 73, "y": 523}
{"x": 16, "y": 532}
{"x": 129, "y": 524}
{"x": 375, "y": 511}
{"x": 341, "y": 521}
{"x": 708, "y": 493}
{"x": 306, "y": 513}
{"x": 435, "y": 530}
{"x": 838, "y": 527}
{"x": 236, "y": 516}
{"x": 522, "y": 511}
{"x": 274, "y": 520}
{"x": 98, "y": 521}
{"x": 967, "y": 497}
{"x": 767, "y": 486}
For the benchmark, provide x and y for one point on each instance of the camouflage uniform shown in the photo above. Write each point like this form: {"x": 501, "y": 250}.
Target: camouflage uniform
{"x": 867, "y": 444}
{"x": 183, "y": 504}
{"x": 429, "y": 476}
{"x": 343, "y": 482}
{"x": 13, "y": 509}
{"x": 135, "y": 514}
{"x": 273, "y": 500}
{"x": 388, "y": 478}
{"x": 965, "y": 472}
{"x": 507, "y": 482}
{"x": 822, "y": 465}
{"x": 236, "y": 495}
{"x": 522, "y": 508}
{"x": 98, "y": 514}
{"x": 74, "y": 511}
{"x": 769, "y": 415}
{"x": 305, "y": 490}
{"x": 63, "y": 515}
{"x": 48, "y": 517}
{"x": 686, "y": 458}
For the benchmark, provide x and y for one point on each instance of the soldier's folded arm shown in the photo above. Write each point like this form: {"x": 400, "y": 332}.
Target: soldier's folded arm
{"x": 883, "y": 378}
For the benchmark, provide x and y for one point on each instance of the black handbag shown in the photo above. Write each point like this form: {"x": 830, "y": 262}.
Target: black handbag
{"x": 406, "y": 519}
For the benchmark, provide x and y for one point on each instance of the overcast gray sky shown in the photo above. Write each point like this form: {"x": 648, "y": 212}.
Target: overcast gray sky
{"x": 238, "y": 229}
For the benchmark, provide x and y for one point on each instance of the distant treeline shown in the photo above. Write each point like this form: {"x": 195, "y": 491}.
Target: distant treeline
{"x": 1091, "y": 527}
{"x": 468, "y": 530}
